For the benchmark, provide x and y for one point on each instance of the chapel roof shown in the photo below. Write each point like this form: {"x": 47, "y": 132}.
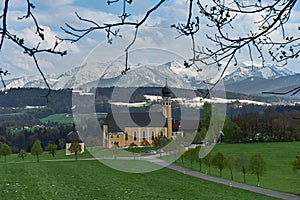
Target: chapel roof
{"x": 118, "y": 121}
{"x": 74, "y": 135}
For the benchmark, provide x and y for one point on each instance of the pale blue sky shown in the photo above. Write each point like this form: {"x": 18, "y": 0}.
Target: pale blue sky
{"x": 54, "y": 14}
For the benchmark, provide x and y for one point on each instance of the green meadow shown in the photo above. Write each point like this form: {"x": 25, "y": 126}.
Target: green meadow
{"x": 86, "y": 179}
{"x": 62, "y": 177}
{"x": 67, "y": 118}
{"x": 59, "y": 118}
{"x": 278, "y": 157}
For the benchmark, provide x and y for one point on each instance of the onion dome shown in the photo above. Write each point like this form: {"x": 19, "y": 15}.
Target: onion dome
{"x": 166, "y": 92}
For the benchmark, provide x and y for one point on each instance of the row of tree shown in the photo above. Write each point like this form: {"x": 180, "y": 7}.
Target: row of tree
{"x": 25, "y": 138}
{"x": 254, "y": 165}
{"x": 37, "y": 150}
{"x": 268, "y": 125}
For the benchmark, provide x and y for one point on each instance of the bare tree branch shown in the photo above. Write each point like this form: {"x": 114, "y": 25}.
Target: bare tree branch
{"x": 31, "y": 51}
{"x": 222, "y": 16}
{"x": 79, "y": 33}
{"x": 292, "y": 92}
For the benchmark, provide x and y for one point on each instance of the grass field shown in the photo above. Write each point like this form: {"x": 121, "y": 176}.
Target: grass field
{"x": 93, "y": 180}
{"x": 59, "y": 118}
{"x": 66, "y": 118}
{"x": 278, "y": 156}
{"x": 65, "y": 178}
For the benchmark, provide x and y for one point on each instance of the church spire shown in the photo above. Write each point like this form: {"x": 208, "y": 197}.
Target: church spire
{"x": 166, "y": 92}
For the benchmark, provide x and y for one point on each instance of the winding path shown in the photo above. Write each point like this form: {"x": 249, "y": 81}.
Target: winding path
{"x": 272, "y": 193}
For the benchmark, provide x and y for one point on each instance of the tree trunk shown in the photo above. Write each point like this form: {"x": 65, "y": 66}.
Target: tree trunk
{"x": 76, "y": 158}
{"x": 200, "y": 166}
{"x": 244, "y": 177}
{"x": 220, "y": 172}
{"x": 37, "y": 158}
{"x": 257, "y": 179}
{"x": 231, "y": 174}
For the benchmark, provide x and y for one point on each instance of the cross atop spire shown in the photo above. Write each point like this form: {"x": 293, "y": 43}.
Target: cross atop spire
{"x": 166, "y": 92}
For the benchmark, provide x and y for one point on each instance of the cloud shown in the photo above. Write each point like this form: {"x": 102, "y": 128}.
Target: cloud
{"x": 56, "y": 3}
{"x": 53, "y": 14}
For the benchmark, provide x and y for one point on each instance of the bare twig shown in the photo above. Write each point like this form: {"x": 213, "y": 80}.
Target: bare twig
{"x": 79, "y": 33}
{"x": 31, "y": 51}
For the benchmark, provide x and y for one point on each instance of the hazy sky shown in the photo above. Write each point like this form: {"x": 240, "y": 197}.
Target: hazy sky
{"x": 52, "y": 15}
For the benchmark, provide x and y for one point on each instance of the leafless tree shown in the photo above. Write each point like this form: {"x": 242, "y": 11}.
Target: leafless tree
{"x": 222, "y": 16}
{"x": 7, "y": 35}
{"x": 261, "y": 42}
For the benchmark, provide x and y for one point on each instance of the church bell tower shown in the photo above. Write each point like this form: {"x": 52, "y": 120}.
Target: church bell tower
{"x": 167, "y": 108}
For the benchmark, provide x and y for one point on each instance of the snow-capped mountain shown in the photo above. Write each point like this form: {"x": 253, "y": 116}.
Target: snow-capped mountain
{"x": 141, "y": 75}
{"x": 154, "y": 75}
{"x": 70, "y": 79}
{"x": 265, "y": 72}
{"x": 109, "y": 74}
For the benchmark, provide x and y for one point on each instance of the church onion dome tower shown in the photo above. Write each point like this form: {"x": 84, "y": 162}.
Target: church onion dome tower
{"x": 166, "y": 92}
{"x": 167, "y": 108}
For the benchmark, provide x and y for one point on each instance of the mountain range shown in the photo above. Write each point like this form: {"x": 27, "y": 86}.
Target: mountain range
{"x": 244, "y": 79}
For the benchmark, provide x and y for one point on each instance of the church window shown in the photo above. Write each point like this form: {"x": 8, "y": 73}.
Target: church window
{"x": 152, "y": 135}
{"x": 134, "y": 136}
{"x": 111, "y": 136}
{"x": 126, "y": 136}
{"x": 161, "y": 133}
{"x": 144, "y": 135}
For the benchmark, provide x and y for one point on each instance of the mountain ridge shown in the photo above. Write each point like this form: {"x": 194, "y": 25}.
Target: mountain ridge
{"x": 247, "y": 79}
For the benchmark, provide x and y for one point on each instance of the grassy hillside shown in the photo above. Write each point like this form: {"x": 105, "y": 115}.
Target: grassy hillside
{"x": 64, "y": 178}
{"x": 278, "y": 156}
{"x": 59, "y": 118}
{"x": 93, "y": 180}
{"x": 67, "y": 118}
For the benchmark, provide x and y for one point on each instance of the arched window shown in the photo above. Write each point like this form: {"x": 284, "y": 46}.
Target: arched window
{"x": 126, "y": 136}
{"x": 134, "y": 135}
{"x": 144, "y": 135}
{"x": 161, "y": 133}
{"x": 152, "y": 135}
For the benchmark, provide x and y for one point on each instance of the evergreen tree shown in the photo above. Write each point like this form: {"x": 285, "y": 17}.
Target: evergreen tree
{"x": 208, "y": 161}
{"x": 75, "y": 148}
{"x": 22, "y": 154}
{"x": 242, "y": 164}
{"x": 257, "y": 166}
{"x": 36, "y": 149}
{"x": 52, "y": 149}
{"x": 191, "y": 155}
{"x": 296, "y": 163}
{"x": 230, "y": 164}
{"x": 219, "y": 161}
{"x": 5, "y": 150}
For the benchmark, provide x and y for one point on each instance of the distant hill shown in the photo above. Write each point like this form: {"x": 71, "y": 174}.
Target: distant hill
{"x": 255, "y": 86}
{"x": 61, "y": 100}
{"x": 267, "y": 72}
